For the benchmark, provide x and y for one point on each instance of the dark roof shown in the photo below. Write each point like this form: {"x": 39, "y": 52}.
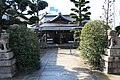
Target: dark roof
{"x": 59, "y": 17}
{"x": 56, "y": 15}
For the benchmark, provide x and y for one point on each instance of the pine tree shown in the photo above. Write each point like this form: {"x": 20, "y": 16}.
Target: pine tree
{"x": 15, "y": 8}
{"x": 81, "y": 14}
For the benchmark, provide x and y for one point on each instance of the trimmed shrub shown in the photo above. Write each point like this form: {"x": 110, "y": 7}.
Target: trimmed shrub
{"x": 93, "y": 40}
{"x": 117, "y": 29}
{"x": 24, "y": 43}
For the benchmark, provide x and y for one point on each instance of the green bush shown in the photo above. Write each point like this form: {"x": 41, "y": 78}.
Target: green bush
{"x": 93, "y": 41}
{"x": 117, "y": 29}
{"x": 77, "y": 33}
{"x": 24, "y": 43}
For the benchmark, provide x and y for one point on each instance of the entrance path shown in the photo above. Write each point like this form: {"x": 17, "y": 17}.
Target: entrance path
{"x": 60, "y": 64}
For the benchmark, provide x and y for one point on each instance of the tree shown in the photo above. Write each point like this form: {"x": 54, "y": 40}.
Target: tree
{"x": 15, "y": 8}
{"x": 36, "y": 6}
{"x": 81, "y": 14}
{"x": 117, "y": 28}
{"x": 108, "y": 13}
{"x": 93, "y": 41}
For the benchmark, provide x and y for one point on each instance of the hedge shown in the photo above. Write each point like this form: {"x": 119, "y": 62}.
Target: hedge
{"x": 93, "y": 40}
{"x": 24, "y": 43}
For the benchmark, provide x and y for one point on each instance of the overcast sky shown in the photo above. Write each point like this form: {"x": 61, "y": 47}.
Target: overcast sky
{"x": 64, "y": 7}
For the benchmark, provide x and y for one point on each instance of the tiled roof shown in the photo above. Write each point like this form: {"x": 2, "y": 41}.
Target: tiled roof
{"x": 59, "y": 17}
{"x": 55, "y": 24}
{"x": 59, "y": 28}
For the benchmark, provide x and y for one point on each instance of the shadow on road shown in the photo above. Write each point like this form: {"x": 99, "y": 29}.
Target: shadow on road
{"x": 59, "y": 64}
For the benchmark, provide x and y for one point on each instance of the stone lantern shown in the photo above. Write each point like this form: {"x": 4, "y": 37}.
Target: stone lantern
{"x": 7, "y": 60}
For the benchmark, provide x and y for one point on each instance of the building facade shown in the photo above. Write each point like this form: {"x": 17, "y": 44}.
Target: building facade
{"x": 57, "y": 29}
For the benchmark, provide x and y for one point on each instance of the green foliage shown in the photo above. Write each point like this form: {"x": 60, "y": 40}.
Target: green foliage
{"x": 11, "y": 12}
{"x": 17, "y": 8}
{"x": 93, "y": 41}
{"x": 42, "y": 5}
{"x": 34, "y": 19}
{"x": 77, "y": 33}
{"x": 36, "y": 6}
{"x": 25, "y": 45}
{"x": 81, "y": 14}
{"x": 117, "y": 29}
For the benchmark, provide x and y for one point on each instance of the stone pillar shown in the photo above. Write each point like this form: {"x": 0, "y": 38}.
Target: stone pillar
{"x": 7, "y": 60}
{"x": 111, "y": 59}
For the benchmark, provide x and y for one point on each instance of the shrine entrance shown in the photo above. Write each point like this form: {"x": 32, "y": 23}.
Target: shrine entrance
{"x": 56, "y": 38}
{"x": 61, "y": 37}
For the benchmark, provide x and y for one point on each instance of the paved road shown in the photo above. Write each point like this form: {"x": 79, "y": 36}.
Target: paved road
{"x": 59, "y": 64}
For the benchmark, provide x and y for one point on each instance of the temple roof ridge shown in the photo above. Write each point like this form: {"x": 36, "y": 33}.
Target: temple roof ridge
{"x": 59, "y": 17}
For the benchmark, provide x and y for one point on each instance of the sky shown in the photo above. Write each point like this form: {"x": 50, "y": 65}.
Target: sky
{"x": 64, "y": 7}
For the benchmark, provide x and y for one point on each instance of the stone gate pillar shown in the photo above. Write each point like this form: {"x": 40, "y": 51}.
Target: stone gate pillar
{"x": 7, "y": 60}
{"x": 111, "y": 59}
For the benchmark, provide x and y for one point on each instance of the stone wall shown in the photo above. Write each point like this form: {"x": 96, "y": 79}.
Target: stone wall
{"x": 111, "y": 58}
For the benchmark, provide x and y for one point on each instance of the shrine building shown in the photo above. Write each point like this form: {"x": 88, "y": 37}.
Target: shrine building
{"x": 57, "y": 29}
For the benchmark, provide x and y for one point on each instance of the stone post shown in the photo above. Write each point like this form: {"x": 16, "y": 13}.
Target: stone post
{"x": 7, "y": 60}
{"x": 111, "y": 58}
